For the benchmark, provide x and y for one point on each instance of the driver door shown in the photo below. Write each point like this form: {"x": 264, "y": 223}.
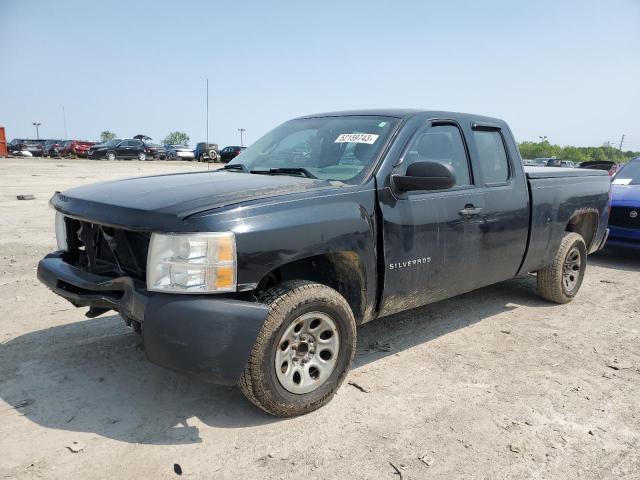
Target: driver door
{"x": 431, "y": 238}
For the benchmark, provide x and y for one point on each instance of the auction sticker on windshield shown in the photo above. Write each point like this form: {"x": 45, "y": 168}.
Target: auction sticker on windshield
{"x": 357, "y": 138}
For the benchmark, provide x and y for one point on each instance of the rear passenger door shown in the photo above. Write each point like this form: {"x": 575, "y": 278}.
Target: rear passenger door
{"x": 123, "y": 150}
{"x": 137, "y": 146}
{"x": 504, "y": 220}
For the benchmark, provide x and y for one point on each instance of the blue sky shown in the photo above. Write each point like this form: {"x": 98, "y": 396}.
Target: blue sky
{"x": 569, "y": 70}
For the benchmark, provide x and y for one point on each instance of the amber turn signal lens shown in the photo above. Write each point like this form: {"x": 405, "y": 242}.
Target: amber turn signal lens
{"x": 225, "y": 249}
{"x": 224, "y": 277}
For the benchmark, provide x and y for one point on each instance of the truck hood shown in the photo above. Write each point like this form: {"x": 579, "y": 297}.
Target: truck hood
{"x": 163, "y": 202}
{"x": 625, "y": 195}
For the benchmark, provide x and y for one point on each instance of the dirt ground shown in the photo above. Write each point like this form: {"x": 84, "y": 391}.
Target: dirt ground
{"x": 493, "y": 384}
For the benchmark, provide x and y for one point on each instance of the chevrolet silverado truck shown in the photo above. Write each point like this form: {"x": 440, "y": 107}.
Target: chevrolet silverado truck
{"x": 259, "y": 273}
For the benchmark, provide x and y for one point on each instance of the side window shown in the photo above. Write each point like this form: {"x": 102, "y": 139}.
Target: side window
{"x": 135, "y": 143}
{"x": 492, "y": 156}
{"x": 442, "y": 143}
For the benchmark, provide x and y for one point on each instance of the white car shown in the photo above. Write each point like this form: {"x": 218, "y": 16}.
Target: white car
{"x": 179, "y": 152}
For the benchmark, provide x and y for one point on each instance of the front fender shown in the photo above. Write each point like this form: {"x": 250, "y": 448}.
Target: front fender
{"x": 273, "y": 233}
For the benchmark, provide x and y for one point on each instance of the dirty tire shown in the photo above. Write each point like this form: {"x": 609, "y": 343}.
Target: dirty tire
{"x": 287, "y": 302}
{"x": 551, "y": 284}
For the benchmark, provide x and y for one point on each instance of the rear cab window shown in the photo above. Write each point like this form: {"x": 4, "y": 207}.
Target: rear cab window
{"x": 492, "y": 157}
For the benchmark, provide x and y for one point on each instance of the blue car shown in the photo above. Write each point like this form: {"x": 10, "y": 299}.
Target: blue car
{"x": 624, "y": 220}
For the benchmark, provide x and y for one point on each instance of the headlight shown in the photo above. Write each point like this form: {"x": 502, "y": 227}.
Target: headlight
{"x": 192, "y": 263}
{"x": 61, "y": 232}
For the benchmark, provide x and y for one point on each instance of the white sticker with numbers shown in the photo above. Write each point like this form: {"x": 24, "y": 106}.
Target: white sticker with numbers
{"x": 357, "y": 138}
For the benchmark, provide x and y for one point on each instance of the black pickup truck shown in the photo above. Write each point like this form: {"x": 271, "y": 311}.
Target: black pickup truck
{"x": 258, "y": 273}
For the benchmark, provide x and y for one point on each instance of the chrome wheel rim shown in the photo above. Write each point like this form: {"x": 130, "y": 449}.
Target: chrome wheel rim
{"x": 307, "y": 353}
{"x": 142, "y": 157}
{"x": 571, "y": 269}
{"x": 110, "y": 156}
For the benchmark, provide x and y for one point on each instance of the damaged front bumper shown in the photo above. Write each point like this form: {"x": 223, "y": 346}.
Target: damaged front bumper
{"x": 203, "y": 335}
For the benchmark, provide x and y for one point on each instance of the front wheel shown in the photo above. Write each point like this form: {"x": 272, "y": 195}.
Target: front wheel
{"x": 560, "y": 281}
{"x": 111, "y": 156}
{"x": 303, "y": 352}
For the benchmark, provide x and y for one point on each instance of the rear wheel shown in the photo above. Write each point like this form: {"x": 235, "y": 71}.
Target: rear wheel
{"x": 142, "y": 156}
{"x": 303, "y": 352}
{"x": 560, "y": 281}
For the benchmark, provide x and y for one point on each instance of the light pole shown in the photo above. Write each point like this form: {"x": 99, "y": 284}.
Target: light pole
{"x": 241, "y": 130}
{"x": 543, "y": 138}
{"x": 37, "y": 124}
{"x": 64, "y": 118}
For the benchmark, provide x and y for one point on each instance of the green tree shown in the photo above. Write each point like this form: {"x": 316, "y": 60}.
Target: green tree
{"x": 176, "y": 138}
{"x": 106, "y": 135}
{"x": 530, "y": 150}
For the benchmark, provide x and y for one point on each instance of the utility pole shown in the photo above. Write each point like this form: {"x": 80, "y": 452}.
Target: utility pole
{"x": 37, "y": 124}
{"x": 207, "y": 136}
{"x": 241, "y": 130}
{"x": 64, "y": 118}
{"x": 207, "y": 145}
{"x": 621, "y": 140}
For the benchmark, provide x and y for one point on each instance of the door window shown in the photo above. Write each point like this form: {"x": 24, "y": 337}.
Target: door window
{"x": 444, "y": 144}
{"x": 492, "y": 156}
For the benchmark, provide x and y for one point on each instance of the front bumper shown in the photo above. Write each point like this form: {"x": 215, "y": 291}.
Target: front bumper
{"x": 202, "y": 335}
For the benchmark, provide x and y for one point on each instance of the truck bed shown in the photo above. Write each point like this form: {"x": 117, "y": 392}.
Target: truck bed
{"x": 555, "y": 195}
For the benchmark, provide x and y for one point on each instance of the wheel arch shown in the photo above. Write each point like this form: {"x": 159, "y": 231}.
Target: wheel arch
{"x": 343, "y": 271}
{"x": 585, "y": 223}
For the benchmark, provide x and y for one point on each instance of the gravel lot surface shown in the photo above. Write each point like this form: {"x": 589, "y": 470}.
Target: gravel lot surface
{"x": 493, "y": 384}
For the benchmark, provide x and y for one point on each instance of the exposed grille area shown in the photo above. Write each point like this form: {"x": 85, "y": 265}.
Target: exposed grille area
{"x": 624, "y": 217}
{"x": 107, "y": 251}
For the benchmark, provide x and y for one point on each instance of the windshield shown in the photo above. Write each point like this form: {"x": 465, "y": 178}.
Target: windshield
{"x": 629, "y": 174}
{"x": 329, "y": 148}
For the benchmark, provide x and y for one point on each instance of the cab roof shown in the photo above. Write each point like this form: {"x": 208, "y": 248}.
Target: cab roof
{"x": 405, "y": 113}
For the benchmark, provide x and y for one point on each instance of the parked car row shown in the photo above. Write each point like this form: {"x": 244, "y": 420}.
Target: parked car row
{"x": 605, "y": 165}
{"x": 48, "y": 148}
{"x": 550, "y": 162}
{"x": 139, "y": 148}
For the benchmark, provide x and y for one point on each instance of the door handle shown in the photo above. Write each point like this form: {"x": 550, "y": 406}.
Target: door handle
{"x": 469, "y": 210}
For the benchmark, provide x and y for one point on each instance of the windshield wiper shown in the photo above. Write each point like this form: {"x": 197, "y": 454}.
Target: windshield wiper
{"x": 236, "y": 166}
{"x": 286, "y": 171}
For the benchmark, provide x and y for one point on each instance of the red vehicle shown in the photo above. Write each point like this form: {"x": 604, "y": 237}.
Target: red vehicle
{"x": 73, "y": 147}
{"x": 81, "y": 148}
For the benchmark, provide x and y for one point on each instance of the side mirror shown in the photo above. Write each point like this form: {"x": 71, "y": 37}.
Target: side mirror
{"x": 425, "y": 176}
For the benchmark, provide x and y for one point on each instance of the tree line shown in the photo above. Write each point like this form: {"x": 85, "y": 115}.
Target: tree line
{"x": 531, "y": 150}
{"x": 174, "y": 138}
